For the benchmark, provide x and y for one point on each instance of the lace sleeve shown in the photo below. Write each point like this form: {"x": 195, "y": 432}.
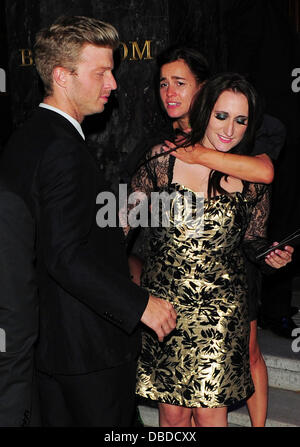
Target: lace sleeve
{"x": 150, "y": 176}
{"x": 153, "y": 173}
{"x": 255, "y": 239}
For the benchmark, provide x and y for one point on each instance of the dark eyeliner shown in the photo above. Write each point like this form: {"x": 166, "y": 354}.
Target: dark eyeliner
{"x": 242, "y": 121}
{"x": 221, "y": 115}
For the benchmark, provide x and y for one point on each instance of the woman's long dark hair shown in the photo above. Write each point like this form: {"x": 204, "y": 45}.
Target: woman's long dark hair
{"x": 201, "y": 111}
{"x": 199, "y": 67}
{"x": 196, "y": 62}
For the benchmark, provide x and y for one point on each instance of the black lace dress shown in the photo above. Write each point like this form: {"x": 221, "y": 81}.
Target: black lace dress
{"x": 204, "y": 362}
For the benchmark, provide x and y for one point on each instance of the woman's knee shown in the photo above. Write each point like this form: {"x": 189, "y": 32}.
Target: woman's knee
{"x": 174, "y": 416}
{"x": 210, "y": 417}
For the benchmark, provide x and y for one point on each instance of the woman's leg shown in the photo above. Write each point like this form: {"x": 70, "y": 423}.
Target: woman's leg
{"x": 210, "y": 417}
{"x": 258, "y": 403}
{"x": 174, "y": 416}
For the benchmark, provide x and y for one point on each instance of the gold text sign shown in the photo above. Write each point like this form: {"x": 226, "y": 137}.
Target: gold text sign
{"x": 132, "y": 50}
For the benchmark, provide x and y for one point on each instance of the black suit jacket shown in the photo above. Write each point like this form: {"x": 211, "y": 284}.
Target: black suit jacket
{"x": 18, "y": 311}
{"x": 89, "y": 308}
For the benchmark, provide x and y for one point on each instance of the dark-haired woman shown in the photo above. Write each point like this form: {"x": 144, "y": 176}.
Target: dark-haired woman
{"x": 182, "y": 73}
{"x": 202, "y": 367}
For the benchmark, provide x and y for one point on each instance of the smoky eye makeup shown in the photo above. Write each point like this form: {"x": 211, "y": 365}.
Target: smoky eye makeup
{"x": 242, "y": 120}
{"x": 239, "y": 119}
{"x": 221, "y": 115}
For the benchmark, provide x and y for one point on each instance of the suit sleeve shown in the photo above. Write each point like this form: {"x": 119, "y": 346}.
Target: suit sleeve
{"x": 67, "y": 222}
{"x": 270, "y": 137}
{"x": 18, "y": 311}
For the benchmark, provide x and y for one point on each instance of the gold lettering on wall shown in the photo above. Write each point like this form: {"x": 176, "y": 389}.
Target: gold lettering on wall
{"x": 125, "y": 50}
{"x": 131, "y": 50}
{"x": 26, "y": 57}
{"x": 136, "y": 54}
{"x": 136, "y": 51}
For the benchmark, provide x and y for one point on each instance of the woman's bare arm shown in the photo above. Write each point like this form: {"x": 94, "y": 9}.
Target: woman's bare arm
{"x": 256, "y": 169}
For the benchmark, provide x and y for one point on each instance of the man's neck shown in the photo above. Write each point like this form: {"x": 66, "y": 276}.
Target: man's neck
{"x": 63, "y": 105}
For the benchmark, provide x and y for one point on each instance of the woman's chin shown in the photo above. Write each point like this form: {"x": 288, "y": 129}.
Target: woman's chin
{"x": 222, "y": 148}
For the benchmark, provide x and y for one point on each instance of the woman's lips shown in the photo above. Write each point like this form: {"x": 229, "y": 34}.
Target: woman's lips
{"x": 225, "y": 139}
{"x": 172, "y": 104}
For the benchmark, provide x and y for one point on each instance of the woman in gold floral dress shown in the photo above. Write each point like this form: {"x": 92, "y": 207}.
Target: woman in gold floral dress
{"x": 182, "y": 73}
{"x": 202, "y": 367}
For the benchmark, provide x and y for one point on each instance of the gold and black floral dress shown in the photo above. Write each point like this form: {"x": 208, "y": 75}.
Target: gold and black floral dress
{"x": 204, "y": 362}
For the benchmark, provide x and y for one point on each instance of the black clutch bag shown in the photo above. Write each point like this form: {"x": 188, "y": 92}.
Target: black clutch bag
{"x": 291, "y": 239}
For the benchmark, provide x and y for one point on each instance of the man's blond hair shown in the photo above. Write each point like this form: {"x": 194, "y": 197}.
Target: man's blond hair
{"x": 61, "y": 44}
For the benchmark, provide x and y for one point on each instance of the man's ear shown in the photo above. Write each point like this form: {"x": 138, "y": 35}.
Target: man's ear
{"x": 60, "y": 76}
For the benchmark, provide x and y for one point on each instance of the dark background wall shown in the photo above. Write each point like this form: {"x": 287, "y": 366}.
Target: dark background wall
{"x": 255, "y": 37}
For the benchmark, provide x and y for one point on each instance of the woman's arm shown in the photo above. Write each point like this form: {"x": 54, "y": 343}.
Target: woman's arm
{"x": 255, "y": 239}
{"x": 256, "y": 169}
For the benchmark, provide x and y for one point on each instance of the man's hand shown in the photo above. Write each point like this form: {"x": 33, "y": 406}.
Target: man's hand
{"x": 160, "y": 316}
{"x": 279, "y": 258}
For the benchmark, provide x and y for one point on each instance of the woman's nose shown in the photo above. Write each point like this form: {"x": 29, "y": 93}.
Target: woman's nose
{"x": 229, "y": 128}
{"x": 170, "y": 91}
